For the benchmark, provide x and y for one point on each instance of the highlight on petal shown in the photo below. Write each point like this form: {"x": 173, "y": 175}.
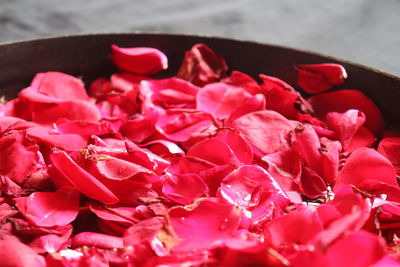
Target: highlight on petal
{"x": 316, "y": 78}
{"x": 140, "y": 60}
{"x": 200, "y": 229}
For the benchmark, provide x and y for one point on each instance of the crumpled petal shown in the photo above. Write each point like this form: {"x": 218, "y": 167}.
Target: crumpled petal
{"x": 254, "y": 191}
{"x": 282, "y": 98}
{"x": 202, "y": 65}
{"x": 140, "y": 60}
{"x": 18, "y": 156}
{"x": 317, "y": 78}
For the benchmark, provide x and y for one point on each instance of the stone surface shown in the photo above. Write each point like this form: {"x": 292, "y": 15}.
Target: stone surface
{"x": 363, "y": 31}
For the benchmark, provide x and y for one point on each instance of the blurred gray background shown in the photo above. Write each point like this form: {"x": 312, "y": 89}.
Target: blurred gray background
{"x": 363, "y": 31}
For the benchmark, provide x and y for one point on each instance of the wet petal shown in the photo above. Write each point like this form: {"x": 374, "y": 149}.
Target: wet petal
{"x": 198, "y": 228}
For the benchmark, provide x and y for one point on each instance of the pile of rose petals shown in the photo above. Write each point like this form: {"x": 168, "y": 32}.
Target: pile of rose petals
{"x": 207, "y": 168}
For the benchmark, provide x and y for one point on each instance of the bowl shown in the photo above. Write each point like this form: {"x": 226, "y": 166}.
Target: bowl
{"x": 87, "y": 56}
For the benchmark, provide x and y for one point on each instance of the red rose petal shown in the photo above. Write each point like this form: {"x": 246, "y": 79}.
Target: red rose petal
{"x": 316, "y": 78}
{"x": 366, "y": 164}
{"x": 271, "y": 132}
{"x": 390, "y": 148}
{"x": 198, "y": 228}
{"x": 18, "y": 157}
{"x": 220, "y": 99}
{"x": 185, "y": 188}
{"x": 281, "y": 231}
{"x": 81, "y": 179}
{"x": 343, "y": 100}
{"x": 10, "y": 245}
{"x": 97, "y": 240}
{"x": 70, "y": 110}
{"x": 202, "y": 65}
{"x": 171, "y": 93}
{"x": 252, "y": 189}
{"x": 50, "y": 208}
{"x": 68, "y": 142}
{"x": 179, "y": 125}
{"x": 50, "y": 243}
{"x": 244, "y": 81}
{"x": 140, "y": 60}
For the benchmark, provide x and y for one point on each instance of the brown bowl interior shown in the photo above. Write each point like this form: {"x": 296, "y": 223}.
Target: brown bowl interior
{"x": 87, "y": 56}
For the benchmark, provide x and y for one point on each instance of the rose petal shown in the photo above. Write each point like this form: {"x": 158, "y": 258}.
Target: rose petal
{"x": 184, "y": 188}
{"x": 81, "y": 179}
{"x": 18, "y": 156}
{"x": 220, "y": 99}
{"x": 50, "y": 208}
{"x": 271, "y": 131}
{"x": 366, "y": 164}
{"x": 202, "y": 65}
{"x": 316, "y": 78}
{"x": 96, "y": 240}
{"x": 140, "y": 60}
{"x": 343, "y": 100}
{"x": 10, "y": 245}
{"x": 198, "y": 228}
{"x": 179, "y": 125}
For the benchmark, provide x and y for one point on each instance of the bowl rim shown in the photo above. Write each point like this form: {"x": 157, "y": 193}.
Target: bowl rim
{"x": 206, "y": 36}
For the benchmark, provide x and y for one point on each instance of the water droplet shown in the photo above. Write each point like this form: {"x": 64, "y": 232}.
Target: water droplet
{"x": 224, "y": 224}
{"x": 255, "y": 196}
{"x": 182, "y": 219}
